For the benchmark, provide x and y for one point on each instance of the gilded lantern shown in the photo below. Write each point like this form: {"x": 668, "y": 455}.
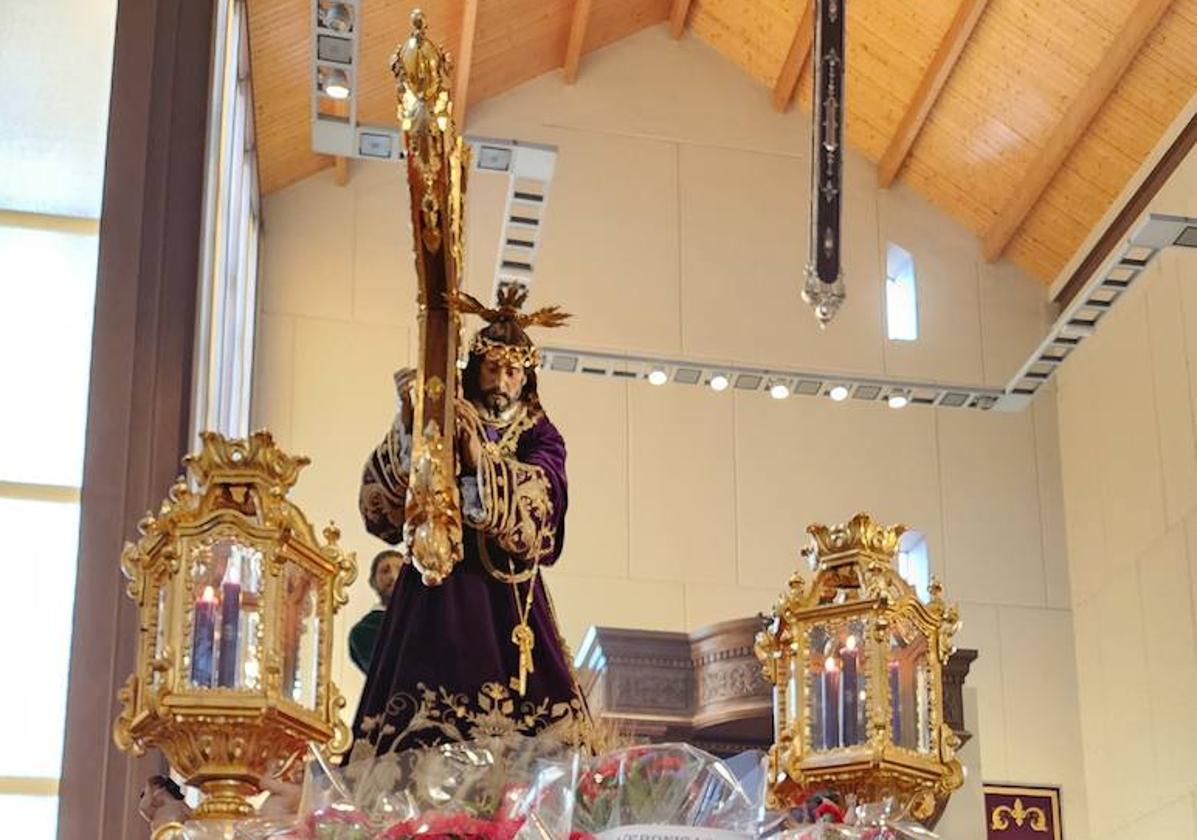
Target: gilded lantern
{"x": 856, "y": 662}
{"x": 236, "y": 596}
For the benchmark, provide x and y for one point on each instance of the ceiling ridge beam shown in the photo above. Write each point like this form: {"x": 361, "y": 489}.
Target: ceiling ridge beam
{"x": 465, "y": 60}
{"x": 1064, "y": 137}
{"x": 577, "y": 37}
{"x": 791, "y": 68}
{"x": 677, "y": 18}
{"x": 968, "y": 12}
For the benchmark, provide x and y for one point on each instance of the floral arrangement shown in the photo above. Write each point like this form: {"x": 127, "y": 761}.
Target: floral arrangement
{"x": 515, "y": 788}
{"x": 669, "y": 784}
{"x": 826, "y": 819}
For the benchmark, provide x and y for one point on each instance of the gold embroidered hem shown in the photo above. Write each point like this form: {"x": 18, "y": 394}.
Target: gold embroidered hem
{"x": 437, "y": 715}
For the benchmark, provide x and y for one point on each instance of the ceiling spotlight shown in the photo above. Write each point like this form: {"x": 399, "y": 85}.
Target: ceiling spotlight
{"x": 334, "y": 83}
{"x": 719, "y": 382}
{"x": 658, "y": 377}
{"x": 779, "y": 391}
{"x": 898, "y": 399}
{"x": 838, "y": 393}
{"x": 334, "y": 16}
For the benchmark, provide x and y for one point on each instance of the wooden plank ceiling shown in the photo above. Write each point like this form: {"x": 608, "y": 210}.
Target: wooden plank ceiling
{"x": 1022, "y": 119}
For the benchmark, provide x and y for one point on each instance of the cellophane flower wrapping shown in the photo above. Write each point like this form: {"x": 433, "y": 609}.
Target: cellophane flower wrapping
{"x": 251, "y": 829}
{"x": 869, "y": 821}
{"x": 509, "y": 788}
{"x": 663, "y": 785}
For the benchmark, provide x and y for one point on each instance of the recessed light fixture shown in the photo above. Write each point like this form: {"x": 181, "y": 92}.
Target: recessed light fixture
{"x": 838, "y": 393}
{"x": 779, "y": 391}
{"x": 333, "y": 83}
{"x": 658, "y": 377}
{"x": 334, "y": 16}
{"x": 719, "y": 382}
{"x": 376, "y": 144}
{"x": 494, "y": 158}
{"x": 898, "y": 399}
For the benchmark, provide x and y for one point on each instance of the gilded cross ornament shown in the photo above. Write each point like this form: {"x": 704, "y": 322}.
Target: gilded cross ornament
{"x": 437, "y": 162}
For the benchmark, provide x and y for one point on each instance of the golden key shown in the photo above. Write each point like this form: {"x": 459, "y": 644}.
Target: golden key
{"x": 523, "y": 638}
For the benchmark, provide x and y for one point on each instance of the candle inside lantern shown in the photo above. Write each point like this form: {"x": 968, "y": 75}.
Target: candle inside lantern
{"x": 203, "y": 634}
{"x": 849, "y": 699}
{"x": 831, "y": 703}
{"x": 230, "y": 620}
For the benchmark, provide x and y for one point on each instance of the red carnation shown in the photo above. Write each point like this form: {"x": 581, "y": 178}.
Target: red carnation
{"x": 827, "y": 808}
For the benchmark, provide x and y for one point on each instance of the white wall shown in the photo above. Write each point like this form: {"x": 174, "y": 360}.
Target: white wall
{"x": 675, "y": 225}
{"x": 1127, "y": 404}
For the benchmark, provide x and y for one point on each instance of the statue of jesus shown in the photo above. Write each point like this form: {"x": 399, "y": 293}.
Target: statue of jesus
{"x": 480, "y": 654}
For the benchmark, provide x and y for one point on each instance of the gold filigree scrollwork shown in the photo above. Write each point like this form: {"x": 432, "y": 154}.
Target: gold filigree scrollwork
{"x": 437, "y": 162}
{"x": 432, "y": 527}
{"x": 1020, "y": 814}
{"x": 422, "y": 70}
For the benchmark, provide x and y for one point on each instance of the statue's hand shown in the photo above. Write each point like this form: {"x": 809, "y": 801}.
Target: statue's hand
{"x": 404, "y": 381}
{"x": 469, "y": 434}
{"x": 283, "y": 800}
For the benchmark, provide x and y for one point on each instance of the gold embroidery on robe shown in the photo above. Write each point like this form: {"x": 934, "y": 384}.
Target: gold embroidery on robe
{"x": 384, "y": 489}
{"x": 519, "y": 513}
{"x": 494, "y": 713}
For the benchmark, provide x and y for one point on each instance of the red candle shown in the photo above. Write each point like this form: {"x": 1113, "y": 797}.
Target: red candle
{"x": 203, "y": 633}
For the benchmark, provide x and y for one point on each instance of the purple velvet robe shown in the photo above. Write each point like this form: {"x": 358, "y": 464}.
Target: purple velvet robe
{"x": 444, "y": 665}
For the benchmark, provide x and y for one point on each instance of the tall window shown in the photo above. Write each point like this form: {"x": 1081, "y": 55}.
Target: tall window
{"x": 47, "y": 290}
{"x": 913, "y": 563}
{"x": 229, "y": 255}
{"x": 901, "y": 295}
{"x": 57, "y": 60}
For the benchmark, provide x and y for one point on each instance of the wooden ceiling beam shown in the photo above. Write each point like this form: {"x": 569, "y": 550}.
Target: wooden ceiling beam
{"x": 465, "y": 59}
{"x": 677, "y": 18}
{"x": 1101, "y": 83}
{"x": 577, "y": 37}
{"x": 968, "y": 12}
{"x": 791, "y": 68}
{"x": 1118, "y": 230}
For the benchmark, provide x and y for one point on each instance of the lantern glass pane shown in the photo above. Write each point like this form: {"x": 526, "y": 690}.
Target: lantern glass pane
{"x": 160, "y": 620}
{"x": 909, "y": 689}
{"x": 837, "y": 685}
{"x": 224, "y": 648}
{"x": 301, "y": 635}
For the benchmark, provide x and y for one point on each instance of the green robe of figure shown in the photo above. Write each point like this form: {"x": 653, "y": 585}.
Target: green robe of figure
{"x": 363, "y": 637}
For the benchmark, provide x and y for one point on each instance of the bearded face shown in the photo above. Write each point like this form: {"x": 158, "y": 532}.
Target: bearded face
{"x": 501, "y": 384}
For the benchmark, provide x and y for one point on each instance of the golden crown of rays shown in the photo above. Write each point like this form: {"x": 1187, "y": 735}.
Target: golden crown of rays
{"x": 510, "y": 308}
{"x": 510, "y": 302}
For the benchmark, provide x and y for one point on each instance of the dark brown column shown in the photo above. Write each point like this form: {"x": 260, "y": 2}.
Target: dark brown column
{"x": 138, "y": 416}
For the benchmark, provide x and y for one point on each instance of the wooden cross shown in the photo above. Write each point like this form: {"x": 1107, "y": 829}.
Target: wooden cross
{"x": 437, "y": 162}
